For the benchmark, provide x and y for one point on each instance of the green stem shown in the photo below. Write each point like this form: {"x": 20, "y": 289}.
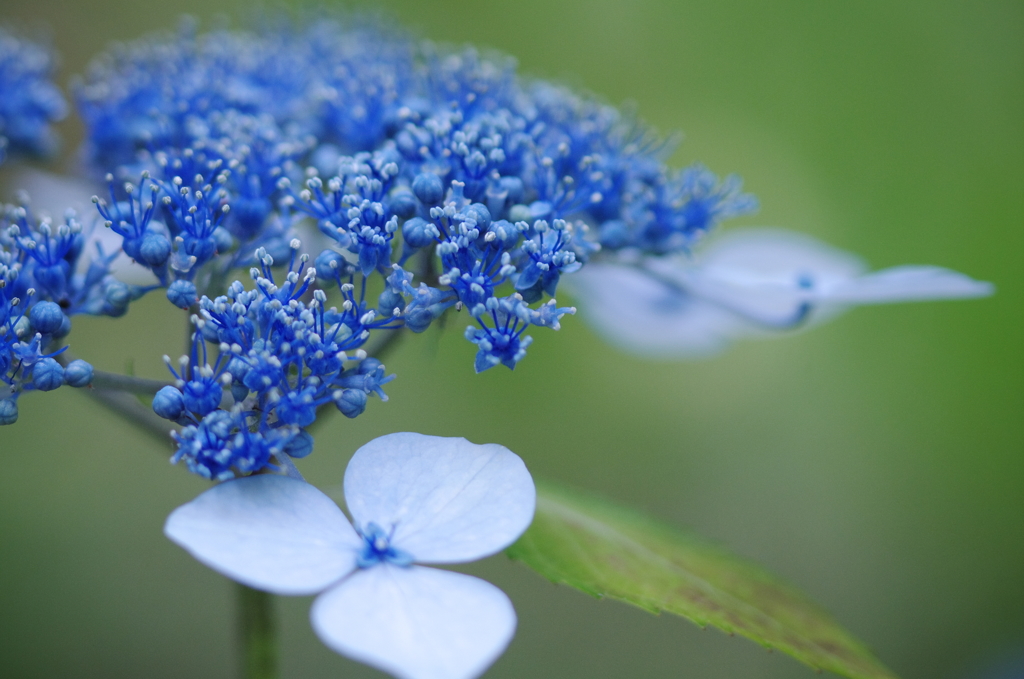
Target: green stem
{"x": 101, "y": 379}
{"x": 115, "y": 392}
{"x": 257, "y": 642}
{"x": 132, "y": 410}
{"x": 135, "y": 385}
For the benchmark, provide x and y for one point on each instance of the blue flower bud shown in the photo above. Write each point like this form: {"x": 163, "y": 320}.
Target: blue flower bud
{"x": 155, "y": 249}
{"x": 239, "y": 392}
{"x": 200, "y": 248}
{"x": 506, "y": 234}
{"x": 428, "y": 188}
{"x": 182, "y": 294}
{"x": 418, "y": 233}
{"x": 237, "y": 368}
{"x": 8, "y": 411}
{"x": 131, "y": 246}
{"x": 368, "y": 365}
{"x": 329, "y": 264}
{"x": 427, "y": 304}
{"x": 351, "y": 402}
{"x": 481, "y": 215}
{"x": 169, "y": 403}
{"x": 47, "y": 375}
{"x": 78, "y": 374}
{"x": 300, "y": 446}
{"x": 64, "y": 329}
{"x": 389, "y": 300}
{"x": 45, "y": 317}
{"x": 117, "y": 296}
{"x": 403, "y": 204}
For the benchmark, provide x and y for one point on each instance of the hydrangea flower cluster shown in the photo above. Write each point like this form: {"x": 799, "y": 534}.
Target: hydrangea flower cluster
{"x": 30, "y": 101}
{"x": 45, "y": 278}
{"x": 45, "y": 274}
{"x": 510, "y": 183}
{"x": 279, "y": 360}
{"x": 425, "y": 181}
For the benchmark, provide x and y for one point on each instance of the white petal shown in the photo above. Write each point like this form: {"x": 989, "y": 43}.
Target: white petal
{"x": 745, "y": 283}
{"x": 53, "y": 194}
{"x": 767, "y": 274}
{"x": 269, "y": 532}
{"x": 758, "y": 271}
{"x": 416, "y": 623}
{"x": 637, "y": 313}
{"x": 445, "y": 499}
{"x": 909, "y": 284}
{"x": 779, "y": 254}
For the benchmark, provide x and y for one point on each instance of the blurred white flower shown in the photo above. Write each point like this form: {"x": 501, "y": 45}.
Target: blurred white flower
{"x": 747, "y": 283}
{"x": 413, "y": 499}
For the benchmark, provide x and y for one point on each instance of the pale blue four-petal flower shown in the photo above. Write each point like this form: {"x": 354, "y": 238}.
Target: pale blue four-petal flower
{"x": 413, "y": 498}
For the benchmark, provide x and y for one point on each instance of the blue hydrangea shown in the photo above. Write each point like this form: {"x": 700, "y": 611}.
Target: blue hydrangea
{"x": 29, "y": 100}
{"x": 441, "y": 173}
{"x": 279, "y": 359}
{"x": 46, "y": 277}
{"x": 51, "y": 260}
{"x": 411, "y": 151}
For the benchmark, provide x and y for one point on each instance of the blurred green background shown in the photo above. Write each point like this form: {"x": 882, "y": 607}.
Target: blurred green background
{"x": 876, "y": 462}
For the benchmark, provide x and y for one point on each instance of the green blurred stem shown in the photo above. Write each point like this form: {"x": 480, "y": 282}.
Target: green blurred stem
{"x": 134, "y": 411}
{"x": 115, "y": 392}
{"x": 257, "y": 638}
{"x": 101, "y": 379}
{"x": 135, "y": 385}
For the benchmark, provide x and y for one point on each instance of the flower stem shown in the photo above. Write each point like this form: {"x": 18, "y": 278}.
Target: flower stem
{"x": 257, "y": 639}
{"x": 135, "y": 385}
{"x": 132, "y": 410}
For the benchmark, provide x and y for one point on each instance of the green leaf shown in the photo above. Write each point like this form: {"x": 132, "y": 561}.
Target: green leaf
{"x": 609, "y": 551}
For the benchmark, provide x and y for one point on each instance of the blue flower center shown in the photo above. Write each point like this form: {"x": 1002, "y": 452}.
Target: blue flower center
{"x": 377, "y": 549}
